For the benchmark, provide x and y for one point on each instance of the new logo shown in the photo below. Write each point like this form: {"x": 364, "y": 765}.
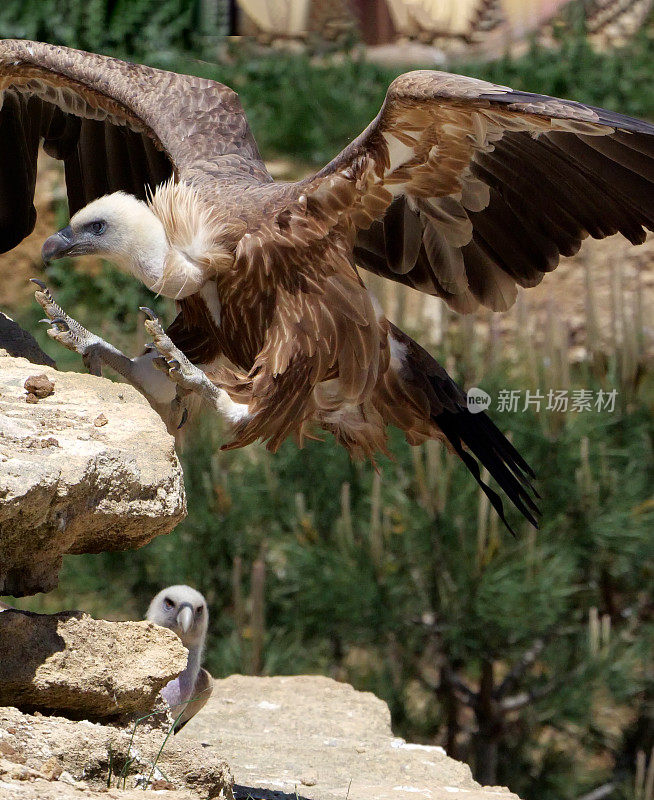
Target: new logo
{"x": 478, "y": 400}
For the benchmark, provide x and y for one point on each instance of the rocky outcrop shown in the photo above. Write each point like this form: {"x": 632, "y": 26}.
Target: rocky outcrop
{"x": 19, "y": 783}
{"x": 291, "y": 738}
{"x": 87, "y": 468}
{"x": 52, "y": 757}
{"x": 325, "y": 741}
{"x": 86, "y": 668}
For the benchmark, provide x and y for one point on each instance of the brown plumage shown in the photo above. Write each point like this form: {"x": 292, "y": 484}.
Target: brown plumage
{"x": 458, "y": 188}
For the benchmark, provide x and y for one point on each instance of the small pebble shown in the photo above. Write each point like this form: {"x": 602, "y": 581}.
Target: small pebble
{"x": 40, "y": 386}
{"x": 10, "y": 753}
{"x": 100, "y": 420}
{"x": 160, "y": 784}
{"x": 51, "y": 769}
{"x": 42, "y": 443}
{"x": 66, "y": 777}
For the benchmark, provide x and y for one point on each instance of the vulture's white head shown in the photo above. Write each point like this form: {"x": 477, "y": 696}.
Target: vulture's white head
{"x": 126, "y": 231}
{"x": 183, "y": 610}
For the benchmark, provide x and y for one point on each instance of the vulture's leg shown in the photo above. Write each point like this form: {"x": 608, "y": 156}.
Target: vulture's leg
{"x": 186, "y": 375}
{"x": 140, "y": 372}
{"x": 189, "y": 378}
{"x": 73, "y": 336}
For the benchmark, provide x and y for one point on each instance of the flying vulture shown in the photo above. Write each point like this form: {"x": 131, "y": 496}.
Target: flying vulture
{"x": 184, "y": 610}
{"x": 458, "y": 188}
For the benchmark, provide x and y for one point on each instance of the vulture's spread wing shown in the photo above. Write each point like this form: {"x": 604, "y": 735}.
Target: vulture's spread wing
{"x": 115, "y": 126}
{"x": 463, "y": 189}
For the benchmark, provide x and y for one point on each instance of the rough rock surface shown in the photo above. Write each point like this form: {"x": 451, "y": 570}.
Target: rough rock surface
{"x": 68, "y": 485}
{"x": 324, "y": 740}
{"x": 87, "y": 668}
{"x": 25, "y": 784}
{"x": 52, "y": 757}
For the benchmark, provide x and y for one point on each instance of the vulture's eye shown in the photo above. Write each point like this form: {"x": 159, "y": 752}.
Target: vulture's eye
{"x": 198, "y": 610}
{"x": 98, "y": 227}
{"x": 168, "y": 603}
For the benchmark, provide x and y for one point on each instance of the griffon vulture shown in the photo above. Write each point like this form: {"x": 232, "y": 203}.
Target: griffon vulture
{"x": 184, "y": 610}
{"x": 458, "y": 188}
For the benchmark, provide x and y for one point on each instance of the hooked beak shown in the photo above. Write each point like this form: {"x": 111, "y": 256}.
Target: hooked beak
{"x": 58, "y": 245}
{"x": 185, "y": 617}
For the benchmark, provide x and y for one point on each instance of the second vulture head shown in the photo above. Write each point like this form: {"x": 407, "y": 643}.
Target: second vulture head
{"x": 184, "y": 611}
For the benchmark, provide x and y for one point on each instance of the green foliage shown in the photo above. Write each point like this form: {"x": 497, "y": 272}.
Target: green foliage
{"x": 618, "y": 79}
{"x": 124, "y": 27}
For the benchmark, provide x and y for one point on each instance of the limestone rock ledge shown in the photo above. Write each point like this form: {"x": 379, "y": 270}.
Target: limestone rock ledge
{"x": 311, "y": 738}
{"x": 52, "y": 758}
{"x": 88, "y": 468}
{"x": 90, "y": 669}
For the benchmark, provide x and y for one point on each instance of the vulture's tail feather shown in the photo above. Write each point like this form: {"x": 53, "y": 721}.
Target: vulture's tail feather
{"x": 476, "y": 435}
{"x": 473, "y": 436}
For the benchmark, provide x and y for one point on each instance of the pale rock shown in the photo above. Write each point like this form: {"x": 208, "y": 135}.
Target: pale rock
{"x": 69, "y": 486}
{"x": 70, "y": 663}
{"x": 325, "y": 741}
{"x": 90, "y": 757}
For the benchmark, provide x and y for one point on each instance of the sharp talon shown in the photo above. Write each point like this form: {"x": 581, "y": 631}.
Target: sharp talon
{"x": 148, "y": 313}
{"x": 183, "y": 419}
{"x": 40, "y": 284}
{"x": 46, "y": 320}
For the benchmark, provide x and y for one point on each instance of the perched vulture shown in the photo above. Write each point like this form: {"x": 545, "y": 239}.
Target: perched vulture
{"x": 184, "y": 610}
{"x": 458, "y": 188}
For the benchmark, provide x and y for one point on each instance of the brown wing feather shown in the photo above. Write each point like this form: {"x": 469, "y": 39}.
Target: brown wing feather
{"x": 500, "y": 183}
{"x": 194, "y": 331}
{"x": 115, "y": 125}
{"x": 322, "y": 328}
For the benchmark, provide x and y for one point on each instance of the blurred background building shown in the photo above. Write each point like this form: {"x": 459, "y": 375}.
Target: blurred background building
{"x": 488, "y": 25}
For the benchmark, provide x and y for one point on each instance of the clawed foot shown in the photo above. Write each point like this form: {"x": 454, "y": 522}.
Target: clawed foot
{"x": 67, "y": 331}
{"x": 188, "y": 378}
{"x": 96, "y": 351}
{"x": 172, "y": 361}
